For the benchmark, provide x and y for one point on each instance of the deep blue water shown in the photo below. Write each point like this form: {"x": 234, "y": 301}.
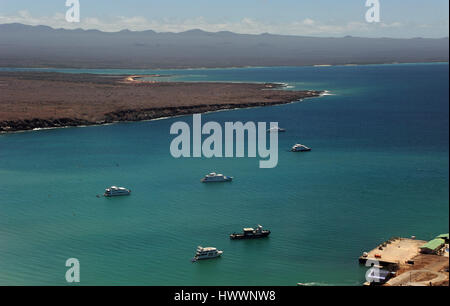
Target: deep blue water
{"x": 379, "y": 168}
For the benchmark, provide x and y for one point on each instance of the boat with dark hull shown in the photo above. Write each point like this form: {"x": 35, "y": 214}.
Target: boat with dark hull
{"x": 251, "y": 233}
{"x": 216, "y": 178}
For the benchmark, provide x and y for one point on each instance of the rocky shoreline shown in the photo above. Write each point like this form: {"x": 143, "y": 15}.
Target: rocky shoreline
{"x": 57, "y": 101}
{"x": 123, "y": 116}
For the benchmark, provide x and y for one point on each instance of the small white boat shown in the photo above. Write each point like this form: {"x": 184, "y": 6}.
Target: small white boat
{"x": 114, "y": 191}
{"x": 276, "y": 129}
{"x": 207, "y": 253}
{"x": 300, "y": 148}
{"x": 216, "y": 178}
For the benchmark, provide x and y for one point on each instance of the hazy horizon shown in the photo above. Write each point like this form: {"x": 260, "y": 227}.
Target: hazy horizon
{"x": 217, "y": 32}
{"x": 28, "y": 46}
{"x": 177, "y": 34}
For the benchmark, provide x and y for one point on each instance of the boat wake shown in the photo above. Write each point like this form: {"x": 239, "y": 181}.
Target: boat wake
{"x": 316, "y": 284}
{"x": 327, "y": 93}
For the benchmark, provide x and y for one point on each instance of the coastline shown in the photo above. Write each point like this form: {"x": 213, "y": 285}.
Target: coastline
{"x": 125, "y": 116}
{"x": 38, "y": 67}
{"x": 60, "y": 100}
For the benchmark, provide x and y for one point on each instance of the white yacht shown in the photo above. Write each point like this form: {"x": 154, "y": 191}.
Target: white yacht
{"x": 207, "y": 253}
{"x": 276, "y": 129}
{"x": 300, "y": 148}
{"x": 114, "y": 191}
{"x": 216, "y": 178}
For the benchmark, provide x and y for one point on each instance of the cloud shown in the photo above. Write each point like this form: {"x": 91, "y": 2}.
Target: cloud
{"x": 305, "y": 27}
{"x": 308, "y": 22}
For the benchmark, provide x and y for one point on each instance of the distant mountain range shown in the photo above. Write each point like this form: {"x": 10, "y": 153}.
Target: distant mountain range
{"x": 42, "y": 46}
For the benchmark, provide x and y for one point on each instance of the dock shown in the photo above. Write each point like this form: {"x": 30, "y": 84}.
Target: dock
{"x": 394, "y": 252}
{"x": 409, "y": 262}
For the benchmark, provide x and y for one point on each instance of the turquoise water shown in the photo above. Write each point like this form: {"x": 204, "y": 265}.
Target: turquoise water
{"x": 379, "y": 168}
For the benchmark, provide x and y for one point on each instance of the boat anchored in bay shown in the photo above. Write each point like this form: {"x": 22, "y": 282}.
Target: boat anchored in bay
{"x": 114, "y": 191}
{"x": 206, "y": 253}
{"x": 300, "y": 148}
{"x": 216, "y": 178}
{"x": 276, "y": 129}
{"x": 251, "y": 233}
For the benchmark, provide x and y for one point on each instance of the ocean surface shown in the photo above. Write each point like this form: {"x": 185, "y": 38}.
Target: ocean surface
{"x": 379, "y": 168}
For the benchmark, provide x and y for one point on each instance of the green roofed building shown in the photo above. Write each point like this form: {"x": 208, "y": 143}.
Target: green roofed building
{"x": 443, "y": 236}
{"x": 433, "y": 246}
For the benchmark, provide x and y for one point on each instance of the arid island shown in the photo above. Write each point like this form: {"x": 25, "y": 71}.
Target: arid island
{"x": 35, "y": 100}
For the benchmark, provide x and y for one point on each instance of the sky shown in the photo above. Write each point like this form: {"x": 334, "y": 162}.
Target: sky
{"x": 336, "y": 18}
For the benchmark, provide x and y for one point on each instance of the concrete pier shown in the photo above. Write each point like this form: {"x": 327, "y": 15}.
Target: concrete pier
{"x": 394, "y": 252}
